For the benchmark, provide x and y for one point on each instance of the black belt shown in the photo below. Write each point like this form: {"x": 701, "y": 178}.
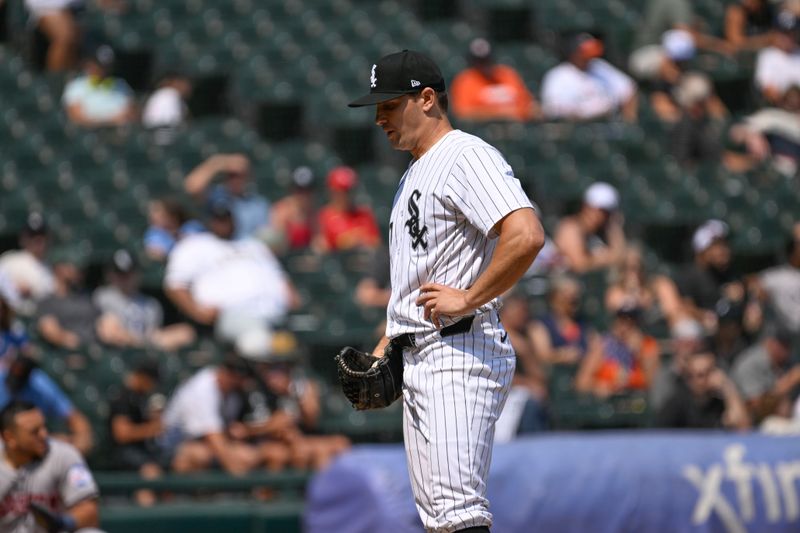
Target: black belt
{"x": 408, "y": 340}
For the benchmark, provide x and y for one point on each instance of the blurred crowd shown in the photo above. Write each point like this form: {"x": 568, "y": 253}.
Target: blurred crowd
{"x": 667, "y": 72}
{"x": 706, "y": 346}
{"x": 261, "y": 406}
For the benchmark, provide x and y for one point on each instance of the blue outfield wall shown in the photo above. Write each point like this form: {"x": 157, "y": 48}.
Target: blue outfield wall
{"x": 610, "y": 482}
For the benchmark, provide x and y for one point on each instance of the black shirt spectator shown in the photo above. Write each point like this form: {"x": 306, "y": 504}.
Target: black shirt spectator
{"x": 703, "y": 283}
{"x": 685, "y": 411}
{"x": 703, "y": 286}
{"x": 137, "y": 408}
{"x": 696, "y": 136}
{"x": 135, "y": 423}
{"x": 706, "y": 398}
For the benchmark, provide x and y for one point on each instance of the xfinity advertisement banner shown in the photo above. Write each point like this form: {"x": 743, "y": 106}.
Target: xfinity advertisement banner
{"x": 600, "y": 482}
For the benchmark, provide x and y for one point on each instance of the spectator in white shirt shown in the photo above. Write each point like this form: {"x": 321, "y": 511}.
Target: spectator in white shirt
{"x": 772, "y": 134}
{"x": 586, "y": 87}
{"x": 25, "y": 270}
{"x": 96, "y": 98}
{"x": 197, "y": 419}
{"x": 166, "y": 109}
{"x": 778, "y": 67}
{"x": 235, "y": 285}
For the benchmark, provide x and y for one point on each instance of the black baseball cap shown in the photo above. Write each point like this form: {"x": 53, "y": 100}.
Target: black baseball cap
{"x": 786, "y": 21}
{"x": 406, "y": 72}
{"x": 103, "y": 55}
{"x": 123, "y": 262}
{"x": 220, "y": 208}
{"x": 149, "y": 368}
{"x": 35, "y": 225}
{"x": 779, "y": 333}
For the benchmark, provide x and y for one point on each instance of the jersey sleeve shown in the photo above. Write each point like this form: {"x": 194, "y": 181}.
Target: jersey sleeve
{"x": 53, "y": 401}
{"x": 76, "y": 482}
{"x": 483, "y": 188}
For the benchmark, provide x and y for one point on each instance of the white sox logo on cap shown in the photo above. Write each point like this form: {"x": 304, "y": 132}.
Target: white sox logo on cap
{"x": 405, "y": 72}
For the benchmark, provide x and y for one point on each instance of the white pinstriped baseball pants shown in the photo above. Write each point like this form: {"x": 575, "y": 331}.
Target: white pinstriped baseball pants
{"x": 454, "y": 391}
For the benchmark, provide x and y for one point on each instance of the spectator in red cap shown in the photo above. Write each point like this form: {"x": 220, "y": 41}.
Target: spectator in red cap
{"x": 342, "y": 224}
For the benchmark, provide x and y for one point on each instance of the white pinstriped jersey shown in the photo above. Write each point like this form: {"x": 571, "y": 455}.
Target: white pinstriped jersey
{"x": 443, "y": 213}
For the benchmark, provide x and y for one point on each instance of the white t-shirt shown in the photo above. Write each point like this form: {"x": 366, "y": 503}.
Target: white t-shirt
{"x": 27, "y": 272}
{"x": 782, "y": 285}
{"x": 198, "y": 406}
{"x": 568, "y": 92}
{"x": 778, "y": 69}
{"x": 164, "y": 108}
{"x": 227, "y": 275}
{"x": 102, "y": 100}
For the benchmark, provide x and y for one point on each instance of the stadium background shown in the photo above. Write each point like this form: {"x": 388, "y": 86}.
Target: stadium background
{"x": 272, "y": 78}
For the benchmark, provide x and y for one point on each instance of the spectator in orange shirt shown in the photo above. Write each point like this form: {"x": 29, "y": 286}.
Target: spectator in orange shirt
{"x": 490, "y": 91}
{"x": 626, "y": 359}
{"x": 342, "y": 224}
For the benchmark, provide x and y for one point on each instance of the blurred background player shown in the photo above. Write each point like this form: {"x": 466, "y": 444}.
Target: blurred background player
{"x": 44, "y": 472}
{"x": 23, "y": 380}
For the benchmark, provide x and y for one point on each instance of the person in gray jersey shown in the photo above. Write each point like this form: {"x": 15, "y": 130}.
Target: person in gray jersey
{"x": 45, "y": 485}
{"x": 462, "y": 232}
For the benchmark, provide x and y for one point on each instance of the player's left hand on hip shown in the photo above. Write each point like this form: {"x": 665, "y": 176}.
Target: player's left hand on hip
{"x": 442, "y": 300}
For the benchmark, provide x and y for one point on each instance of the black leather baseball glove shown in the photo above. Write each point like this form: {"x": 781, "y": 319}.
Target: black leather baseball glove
{"x": 371, "y": 382}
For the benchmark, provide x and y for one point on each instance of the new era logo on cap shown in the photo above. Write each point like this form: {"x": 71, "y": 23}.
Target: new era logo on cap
{"x": 405, "y": 72}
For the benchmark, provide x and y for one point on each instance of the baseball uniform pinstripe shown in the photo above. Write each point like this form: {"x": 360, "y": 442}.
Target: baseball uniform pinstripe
{"x": 455, "y": 386}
